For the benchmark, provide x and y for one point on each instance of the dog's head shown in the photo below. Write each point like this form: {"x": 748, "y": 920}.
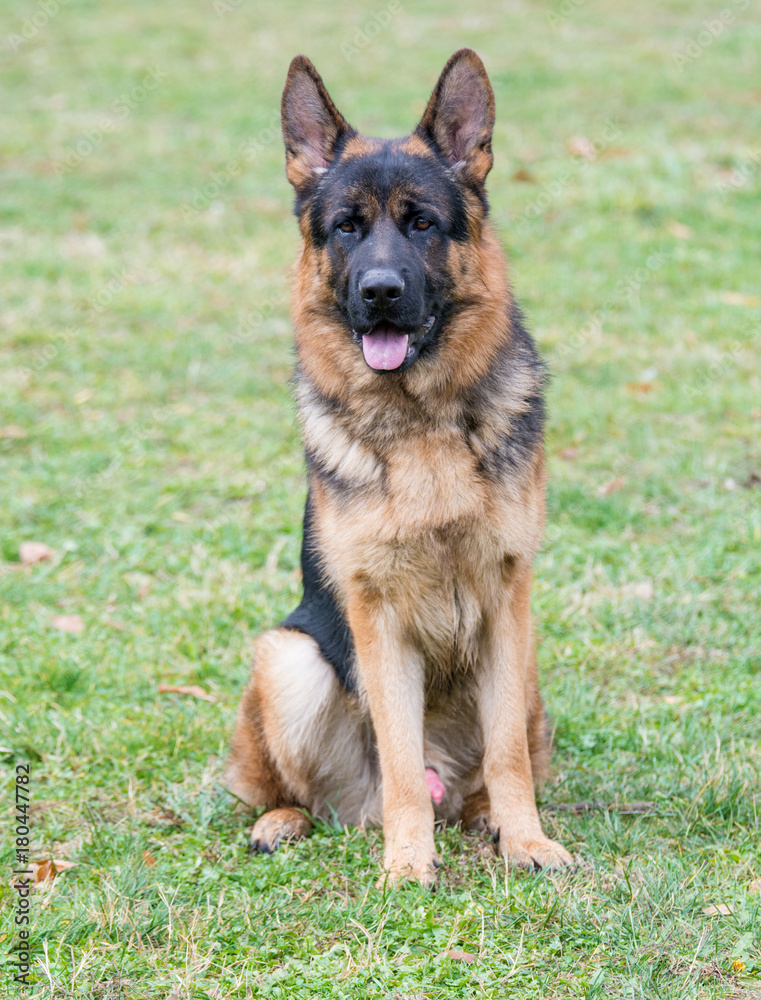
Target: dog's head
{"x": 384, "y": 219}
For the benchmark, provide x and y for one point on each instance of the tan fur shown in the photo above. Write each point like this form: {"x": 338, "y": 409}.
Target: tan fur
{"x": 359, "y": 145}
{"x": 278, "y": 826}
{"x": 415, "y": 146}
{"x": 331, "y": 360}
{"x": 300, "y": 710}
{"x": 430, "y": 561}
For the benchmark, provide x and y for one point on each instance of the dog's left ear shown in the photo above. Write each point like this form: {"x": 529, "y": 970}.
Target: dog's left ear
{"x": 459, "y": 119}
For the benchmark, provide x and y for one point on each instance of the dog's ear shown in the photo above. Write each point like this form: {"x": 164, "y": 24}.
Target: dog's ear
{"x": 459, "y": 118}
{"x": 312, "y": 125}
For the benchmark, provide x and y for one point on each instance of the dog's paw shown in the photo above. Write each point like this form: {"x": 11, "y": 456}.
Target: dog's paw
{"x": 277, "y": 826}
{"x": 411, "y": 865}
{"x": 532, "y": 854}
{"x": 480, "y": 824}
{"x": 475, "y": 813}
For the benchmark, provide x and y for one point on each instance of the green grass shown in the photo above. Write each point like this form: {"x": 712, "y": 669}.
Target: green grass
{"x": 145, "y": 239}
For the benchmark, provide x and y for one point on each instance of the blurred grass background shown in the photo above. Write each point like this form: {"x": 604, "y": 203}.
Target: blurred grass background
{"x": 147, "y": 436}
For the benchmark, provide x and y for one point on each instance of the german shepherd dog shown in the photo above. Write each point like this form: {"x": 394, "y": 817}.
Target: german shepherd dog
{"x": 403, "y": 689}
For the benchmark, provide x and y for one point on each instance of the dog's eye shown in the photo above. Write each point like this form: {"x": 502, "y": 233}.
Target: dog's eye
{"x": 346, "y": 227}
{"x": 422, "y": 223}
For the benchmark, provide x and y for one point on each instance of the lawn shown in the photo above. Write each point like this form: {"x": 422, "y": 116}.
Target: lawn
{"x": 147, "y": 437}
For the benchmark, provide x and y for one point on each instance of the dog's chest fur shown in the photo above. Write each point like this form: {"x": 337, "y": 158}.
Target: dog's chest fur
{"x": 422, "y": 517}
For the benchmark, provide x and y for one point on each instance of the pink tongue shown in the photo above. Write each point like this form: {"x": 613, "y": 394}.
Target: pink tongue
{"x": 435, "y": 785}
{"x": 384, "y": 349}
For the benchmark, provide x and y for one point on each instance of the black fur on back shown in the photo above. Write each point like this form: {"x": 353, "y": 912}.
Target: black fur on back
{"x": 319, "y": 614}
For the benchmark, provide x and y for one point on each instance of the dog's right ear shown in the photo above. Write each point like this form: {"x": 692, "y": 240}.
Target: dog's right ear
{"x": 312, "y": 125}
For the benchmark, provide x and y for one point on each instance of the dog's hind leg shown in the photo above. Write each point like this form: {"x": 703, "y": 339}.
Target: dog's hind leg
{"x": 475, "y": 812}
{"x": 299, "y": 743}
{"x": 277, "y": 826}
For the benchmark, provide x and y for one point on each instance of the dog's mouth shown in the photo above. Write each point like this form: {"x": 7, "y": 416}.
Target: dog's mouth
{"x": 385, "y": 348}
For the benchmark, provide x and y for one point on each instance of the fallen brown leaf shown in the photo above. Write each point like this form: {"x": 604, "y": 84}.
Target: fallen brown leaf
{"x": 679, "y": 230}
{"x": 525, "y": 176}
{"x": 116, "y": 987}
{"x": 68, "y": 623}
{"x": 711, "y": 970}
{"x": 577, "y": 808}
{"x": 720, "y": 909}
{"x": 754, "y": 887}
{"x": 457, "y": 956}
{"x": 148, "y": 859}
{"x": 162, "y": 817}
{"x": 194, "y": 690}
{"x": 579, "y": 145}
{"x": 642, "y": 387}
{"x": 45, "y": 871}
{"x": 34, "y": 552}
{"x": 643, "y": 589}
{"x": 740, "y": 299}
{"x": 11, "y": 432}
{"x": 611, "y": 486}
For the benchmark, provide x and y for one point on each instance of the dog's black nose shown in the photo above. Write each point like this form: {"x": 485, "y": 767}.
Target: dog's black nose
{"x": 381, "y": 286}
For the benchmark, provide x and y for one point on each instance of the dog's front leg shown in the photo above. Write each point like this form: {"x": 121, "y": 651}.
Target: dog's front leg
{"x": 502, "y": 705}
{"x": 392, "y": 673}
